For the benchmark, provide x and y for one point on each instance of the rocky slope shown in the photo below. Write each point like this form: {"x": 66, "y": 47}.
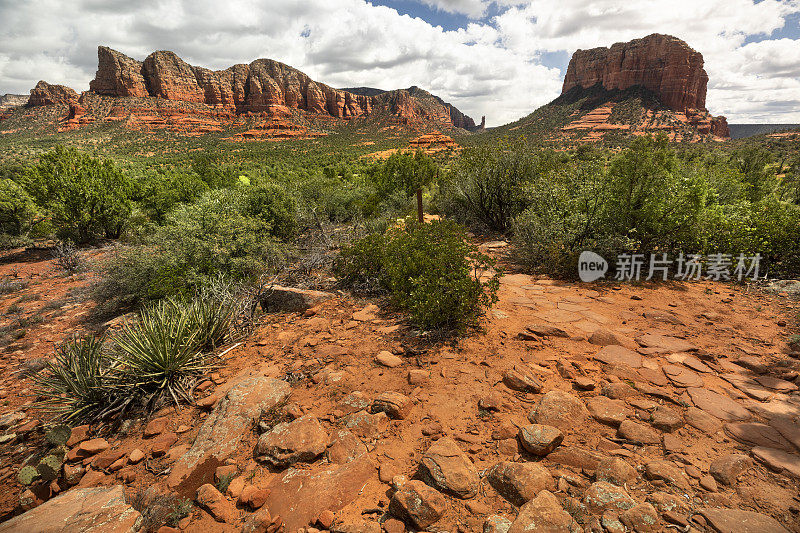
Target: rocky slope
{"x": 649, "y": 85}
{"x": 600, "y": 408}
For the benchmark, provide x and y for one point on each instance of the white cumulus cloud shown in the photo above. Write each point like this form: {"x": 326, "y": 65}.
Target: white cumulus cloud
{"x": 495, "y": 66}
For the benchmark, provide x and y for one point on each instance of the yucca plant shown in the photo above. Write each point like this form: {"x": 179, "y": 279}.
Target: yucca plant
{"x": 212, "y": 319}
{"x": 76, "y": 385}
{"x": 160, "y": 352}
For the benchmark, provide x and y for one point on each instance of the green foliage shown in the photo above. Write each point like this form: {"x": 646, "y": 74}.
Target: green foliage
{"x": 211, "y": 170}
{"x": 180, "y": 509}
{"x": 85, "y": 196}
{"x": 404, "y": 172}
{"x": 49, "y": 467}
{"x": 160, "y": 352}
{"x": 225, "y": 231}
{"x": 753, "y": 164}
{"x": 271, "y": 204}
{"x": 224, "y": 482}
{"x": 651, "y": 199}
{"x": 565, "y": 216}
{"x": 335, "y": 199}
{"x": 17, "y": 209}
{"x": 212, "y": 318}
{"x": 75, "y": 384}
{"x": 429, "y": 270}
{"x": 489, "y": 186}
{"x": 58, "y": 435}
{"x": 159, "y": 192}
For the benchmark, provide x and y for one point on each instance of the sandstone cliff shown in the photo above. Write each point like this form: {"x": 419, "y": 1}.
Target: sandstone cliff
{"x": 264, "y": 85}
{"x": 661, "y": 63}
{"x": 46, "y": 94}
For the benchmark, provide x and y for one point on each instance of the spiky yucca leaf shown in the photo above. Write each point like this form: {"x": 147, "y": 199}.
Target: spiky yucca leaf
{"x": 160, "y": 352}
{"x": 212, "y": 319}
{"x": 75, "y": 385}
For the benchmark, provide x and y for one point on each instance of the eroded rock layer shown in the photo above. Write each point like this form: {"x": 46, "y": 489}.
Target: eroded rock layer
{"x": 264, "y": 85}
{"x": 661, "y": 63}
{"x": 47, "y": 94}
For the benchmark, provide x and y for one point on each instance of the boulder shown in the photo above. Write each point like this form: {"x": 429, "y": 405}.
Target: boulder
{"x": 727, "y": 468}
{"x": 615, "y": 470}
{"x": 91, "y": 510}
{"x": 519, "y": 379}
{"x": 289, "y": 299}
{"x": 608, "y": 411}
{"x": 602, "y": 496}
{"x": 394, "y": 404}
{"x": 559, "y": 409}
{"x": 447, "y": 468}
{"x": 539, "y": 439}
{"x": 301, "y": 440}
{"x": 222, "y": 432}
{"x": 519, "y": 482}
{"x": 299, "y": 496}
{"x": 642, "y": 518}
{"x": 717, "y": 405}
{"x": 418, "y": 504}
{"x": 638, "y": 433}
{"x": 740, "y": 521}
{"x": 544, "y": 513}
{"x": 212, "y": 500}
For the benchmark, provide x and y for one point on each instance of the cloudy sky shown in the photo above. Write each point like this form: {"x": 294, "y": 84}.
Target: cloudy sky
{"x": 497, "y": 58}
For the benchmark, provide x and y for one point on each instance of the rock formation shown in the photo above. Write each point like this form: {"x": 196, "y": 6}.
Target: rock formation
{"x": 664, "y": 67}
{"x": 47, "y": 94}
{"x": 661, "y": 63}
{"x": 10, "y": 101}
{"x": 264, "y": 85}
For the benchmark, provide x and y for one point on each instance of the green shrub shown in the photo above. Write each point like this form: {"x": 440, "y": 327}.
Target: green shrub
{"x": 489, "y": 186}
{"x": 333, "y": 199}
{"x": 272, "y": 204}
{"x": 197, "y": 242}
{"x": 403, "y": 172}
{"x": 159, "y": 193}
{"x": 17, "y": 209}
{"x": 85, "y": 196}
{"x": 429, "y": 270}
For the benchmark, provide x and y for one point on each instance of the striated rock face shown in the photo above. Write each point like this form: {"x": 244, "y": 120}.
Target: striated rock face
{"x": 262, "y": 86}
{"x": 117, "y": 75}
{"x": 47, "y": 94}
{"x": 661, "y": 63}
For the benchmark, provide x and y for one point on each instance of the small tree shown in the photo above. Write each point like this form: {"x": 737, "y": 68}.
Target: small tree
{"x": 17, "y": 210}
{"x": 404, "y": 172}
{"x": 85, "y": 196}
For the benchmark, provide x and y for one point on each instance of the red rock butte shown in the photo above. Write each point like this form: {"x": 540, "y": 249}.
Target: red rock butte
{"x": 264, "y": 85}
{"x": 663, "y": 64}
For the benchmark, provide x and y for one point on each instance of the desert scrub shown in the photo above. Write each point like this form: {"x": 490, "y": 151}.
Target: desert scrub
{"x": 235, "y": 232}
{"x": 429, "y": 270}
